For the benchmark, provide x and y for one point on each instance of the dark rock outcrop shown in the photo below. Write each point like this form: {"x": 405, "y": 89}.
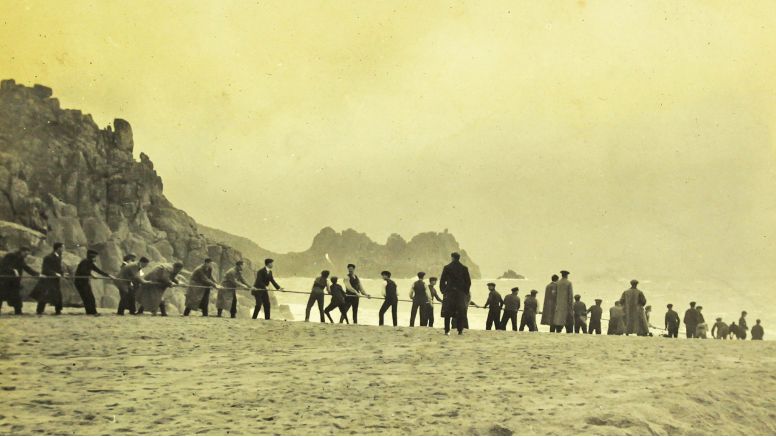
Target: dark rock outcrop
{"x": 70, "y": 181}
{"x": 511, "y": 274}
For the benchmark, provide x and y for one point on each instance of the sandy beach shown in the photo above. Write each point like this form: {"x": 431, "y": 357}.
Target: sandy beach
{"x": 75, "y": 374}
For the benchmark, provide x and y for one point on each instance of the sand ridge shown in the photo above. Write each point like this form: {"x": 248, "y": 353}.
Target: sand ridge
{"x": 75, "y": 374}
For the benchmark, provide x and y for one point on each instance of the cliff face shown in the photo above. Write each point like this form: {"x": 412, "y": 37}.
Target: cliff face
{"x": 73, "y": 182}
{"x": 332, "y": 250}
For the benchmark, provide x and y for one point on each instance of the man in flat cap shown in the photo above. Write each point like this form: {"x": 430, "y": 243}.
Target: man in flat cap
{"x": 420, "y": 299}
{"x": 595, "y": 311}
{"x": 564, "y": 303}
{"x": 391, "y": 300}
{"x": 511, "y": 307}
{"x": 198, "y": 293}
{"x": 742, "y": 326}
{"x": 12, "y": 267}
{"x": 494, "y": 302}
{"x": 353, "y": 292}
{"x": 128, "y": 281}
{"x": 672, "y": 322}
{"x": 691, "y": 320}
{"x": 227, "y": 295}
{"x": 455, "y": 284}
{"x": 580, "y": 315}
{"x": 757, "y": 331}
{"x": 83, "y": 273}
{"x": 261, "y": 288}
{"x": 529, "y": 313}
{"x": 633, "y": 301}
{"x": 720, "y": 330}
{"x": 48, "y": 290}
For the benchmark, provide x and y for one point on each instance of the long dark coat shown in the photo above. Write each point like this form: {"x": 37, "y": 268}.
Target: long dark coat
{"x": 563, "y": 302}
{"x": 548, "y": 310}
{"x": 48, "y": 289}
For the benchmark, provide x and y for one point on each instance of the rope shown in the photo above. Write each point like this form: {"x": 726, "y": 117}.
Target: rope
{"x": 233, "y": 288}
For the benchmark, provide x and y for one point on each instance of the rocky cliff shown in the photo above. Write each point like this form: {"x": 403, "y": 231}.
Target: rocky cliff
{"x": 65, "y": 179}
{"x": 332, "y": 250}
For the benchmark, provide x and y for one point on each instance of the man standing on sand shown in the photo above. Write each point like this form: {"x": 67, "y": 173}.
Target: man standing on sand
{"x": 353, "y": 291}
{"x": 633, "y": 301}
{"x": 391, "y": 299}
{"x": 128, "y": 281}
{"x": 319, "y": 290}
{"x": 691, "y": 320}
{"x": 47, "y": 290}
{"x": 455, "y": 284}
{"x": 337, "y": 301}
{"x": 419, "y": 299}
{"x": 82, "y": 280}
{"x": 261, "y": 288}
{"x": 548, "y": 310}
{"x": 227, "y": 295}
{"x": 12, "y": 267}
{"x": 580, "y": 315}
{"x": 672, "y": 322}
{"x": 564, "y": 297}
{"x": 757, "y": 331}
{"x": 616, "y": 320}
{"x": 434, "y": 295}
{"x": 720, "y": 330}
{"x": 702, "y": 328}
{"x": 529, "y": 314}
{"x": 494, "y": 302}
{"x": 198, "y": 293}
{"x": 511, "y": 307}
{"x": 159, "y": 279}
{"x": 742, "y": 326}
{"x": 595, "y": 312}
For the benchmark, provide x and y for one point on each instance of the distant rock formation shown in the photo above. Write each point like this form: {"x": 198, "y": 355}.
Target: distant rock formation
{"x": 70, "y": 181}
{"x": 428, "y": 252}
{"x": 511, "y": 274}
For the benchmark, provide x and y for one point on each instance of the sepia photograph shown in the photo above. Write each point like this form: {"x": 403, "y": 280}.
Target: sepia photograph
{"x": 387, "y": 217}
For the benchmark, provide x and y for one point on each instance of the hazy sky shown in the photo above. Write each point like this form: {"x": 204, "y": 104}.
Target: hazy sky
{"x": 612, "y": 137}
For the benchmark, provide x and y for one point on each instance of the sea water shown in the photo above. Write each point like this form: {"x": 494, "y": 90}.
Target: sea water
{"x": 719, "y": 298}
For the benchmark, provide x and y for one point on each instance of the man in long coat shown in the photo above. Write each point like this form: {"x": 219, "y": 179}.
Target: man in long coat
{"x": 548, "y": 310}
{"x": 616, "y": 322}
{"x": 227, "y": 296}
{"x": 564, "y": 298}
{"x": 633, "y": 301}
{"x": 455, "y": 284}
{"x": 12, "y": 267}
{"x": 691, "y": 319}
{"x": 128, "y": 281}
{"x": 158, "y": 280}
{"x": 198, "y": 294}
{"x": 47, "y": 290}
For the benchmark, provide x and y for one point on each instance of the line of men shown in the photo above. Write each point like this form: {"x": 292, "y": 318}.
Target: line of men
{"x": 562, "y": 309}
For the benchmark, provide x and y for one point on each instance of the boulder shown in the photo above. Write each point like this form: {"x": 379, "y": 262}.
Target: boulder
{"x": 111, "y": 256}
{"x": 66, "y": 230}
{"x": 14, "y": 236}
{"x": 165, "y": 249}
{"x": 96, "y": 231}
{"x": 153, "y": 254}
{"x": 135, "y": 245}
